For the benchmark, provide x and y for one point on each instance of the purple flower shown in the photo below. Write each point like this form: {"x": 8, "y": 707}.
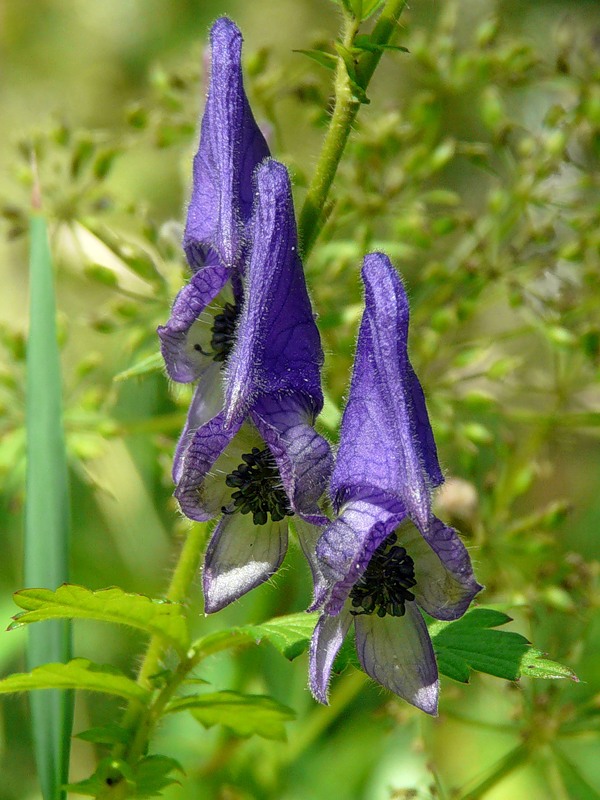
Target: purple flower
{"x": 197, "y": 339}
{"x": 375, "y": 567}
{"x": 260, "y": 460}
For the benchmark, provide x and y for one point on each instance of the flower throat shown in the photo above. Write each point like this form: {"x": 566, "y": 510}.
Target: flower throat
{"x": 223, "y": 334}
{"x": 385, "y": 585}
{"x": 258, "y": 488}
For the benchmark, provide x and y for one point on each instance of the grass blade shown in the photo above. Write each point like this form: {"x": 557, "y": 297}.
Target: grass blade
{"x": 46, "y": 514}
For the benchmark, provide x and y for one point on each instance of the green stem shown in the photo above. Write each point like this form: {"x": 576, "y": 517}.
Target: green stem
{"x": 346, "y": 106}
{"x": 509, "y": 763}
{"x": 324, "y": 716}
{"x": 141, "y": 721}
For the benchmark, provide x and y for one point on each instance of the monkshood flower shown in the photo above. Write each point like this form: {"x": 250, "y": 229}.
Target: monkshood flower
{"x": 260, "y": 460}
{"x": 197, "y": 339}
{"x": 376, "y": 567}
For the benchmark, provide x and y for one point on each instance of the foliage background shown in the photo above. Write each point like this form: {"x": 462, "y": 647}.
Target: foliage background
{"x": 476, "y": 167}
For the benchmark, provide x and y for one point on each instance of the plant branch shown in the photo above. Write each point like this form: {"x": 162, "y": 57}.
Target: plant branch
{"x": 346, "y": 106}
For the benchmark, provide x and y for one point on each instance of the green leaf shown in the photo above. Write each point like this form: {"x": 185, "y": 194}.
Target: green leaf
{"x": 149, "y": 777}
{"x": 244, "y": 714}
{"x": 323, "y": 58}
{"x": 348, "y": 58}
{"x": 153, "y": 774}
{"x": 80, "y": 673}
{"x": 471, "y": 643}
{"x": 290, "y": 635}
{"x": 46, "y": 556}
{"x": 534, "y": 664}
{"x": 104, "y": 734}
{"x": 69, "y": 601}
{"x": 364, "y": 43}
{"x": 369, "y": 7}
{"x": 109, "y": 772}
{"x": 148, "y": 365}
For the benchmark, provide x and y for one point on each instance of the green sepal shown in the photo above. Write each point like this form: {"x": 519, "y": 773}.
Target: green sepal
{"x": 79, "y": 673}
{"x": 69, "y": 601}
{"x": 244, "y": 714}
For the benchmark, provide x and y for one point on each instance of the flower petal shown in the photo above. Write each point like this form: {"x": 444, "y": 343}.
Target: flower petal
{"x": 397, "y": 653}
{"x": 277, "y": 348}
{"x": 445, "y": 581}
{"x": 303, "y": 457}
{"x": 241, "y": 556}
{"x": 206, "y": 404}
{"x": 201, "y": 490}
{"x": 308, "y": 534}
{"x": 386, "y": 439}
{"x": 347, "y": 545}
{"x": 187, "y": 329}
{"x": 231, "y": 146}
{"x": 326, "y": 641}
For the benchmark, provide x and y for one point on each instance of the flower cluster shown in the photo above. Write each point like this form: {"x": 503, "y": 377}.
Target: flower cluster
{"x": 249, "y": 456}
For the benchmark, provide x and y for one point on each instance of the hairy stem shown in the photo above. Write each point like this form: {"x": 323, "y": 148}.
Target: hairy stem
{"x": 346, "y": 106}
{"x": 141, "y": 721}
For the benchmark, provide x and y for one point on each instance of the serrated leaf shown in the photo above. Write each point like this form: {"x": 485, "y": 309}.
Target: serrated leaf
{"x": 471, "y": 643}
{"x": 535, "y": 665}
{"x": 290, "y": 635}
{"x": 104, "y": 734}
{"x": 79, "y": 673}
{"x": 153, "y": 774}
{"x": 109, "y": 772}
{"x": 323, "y": 58}
{"x": 148, "y": 365}
{"x": 244, "y": 714}
{"x": 70, "y": 601}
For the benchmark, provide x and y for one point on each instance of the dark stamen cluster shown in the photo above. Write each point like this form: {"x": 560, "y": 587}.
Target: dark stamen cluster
{"x": 223, "y": 332}
{"x": 385, "y": 584}
{"x": 258, "y": 488}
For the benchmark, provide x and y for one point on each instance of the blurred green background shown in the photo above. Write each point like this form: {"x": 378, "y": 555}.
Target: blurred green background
{"x": 475, "y": 167}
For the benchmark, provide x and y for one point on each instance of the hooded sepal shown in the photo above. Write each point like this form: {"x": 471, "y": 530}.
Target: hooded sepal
{"x": 277, "y": 349}
{"x": 386, "y": 439}
{"x": 231, "y": 147}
